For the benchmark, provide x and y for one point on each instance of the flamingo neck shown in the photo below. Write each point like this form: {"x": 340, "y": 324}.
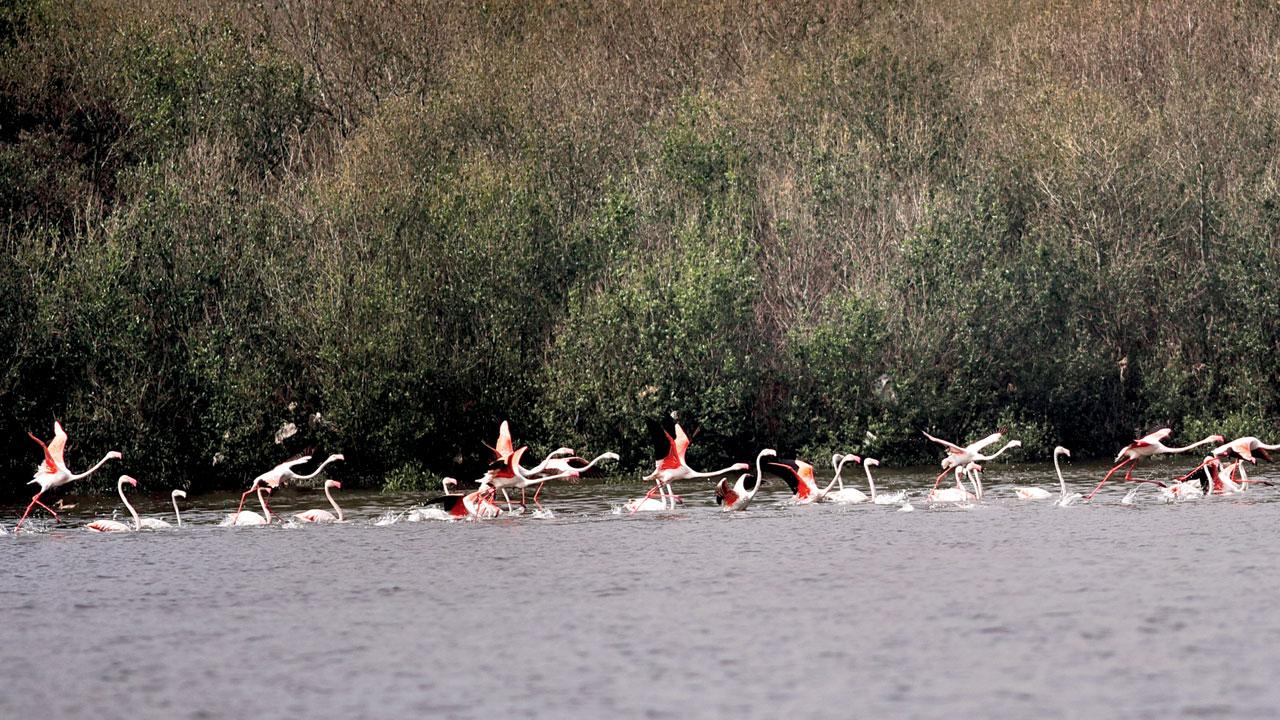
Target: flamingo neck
{"x": 1011, "y": 443}
{"x": 176, "y": 514}
{"x": 332, "y": 502}
{"x": 266, "y": 514}
{"x": 318, "y": 470}
{"x": 1184, "y": 448}
{"x": 870, "y": 481}
{"x": 713, "y": 473}
{"x": 1062, "y": 484}
{"x": 137, "y": 524}
{"x": 91, "y": 470}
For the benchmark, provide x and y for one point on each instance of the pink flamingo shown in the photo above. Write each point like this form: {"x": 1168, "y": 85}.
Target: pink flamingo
{"x": 115, "y": 526}
{"x": 477, "y": 504}
{"x": 1145, "y": 447}
{"x": 323, "y": 516}
{"x": 670, "y": 445}
{"x": 53, "y": 473}
{"x": 799, "y": 476}
{"x": 960, "y": 456}
{"x": 555, "y": 467}
{"x": 1244, "y": 449}
{"x": 242, "y": 518}
{"x": 283, "y": 473}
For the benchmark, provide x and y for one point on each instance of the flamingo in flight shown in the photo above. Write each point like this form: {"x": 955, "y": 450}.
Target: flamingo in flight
{"x": 323, "y": 516}
{"x": 477, "y": 504}
{"x": 799, "y": 476}
{"x": 842, "y": 494}
{"x": 157, "y": 523}
{"x": 1145, "y": 447}
{"x": 115, "y": 526}
{"x": 283, "y": 474}
{"x": 53, "y": 473}
{"x": 958, "y": 456}
{"x": 1244, "y": 449}
{"x": 670, "y": 443}
{"x": 740, "y": 494}
{"x": 556, "y": 467}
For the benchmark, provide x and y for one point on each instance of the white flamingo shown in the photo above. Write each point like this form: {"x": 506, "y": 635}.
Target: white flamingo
{"x": 157, "y": 523}
{"x": 283, "y": 474}
{"x": 843, "y": 495}
{"x": 959, "y": 456}
{"x": 890, "y": 498}
{"x": 1145, "y": 447}
{"x": 323, "y": 516}
{"x": 740, "y": 494}
{"x": 53, "y": 473}
{"x": 799, "y": 476}
{"x": 249, "y": 518}
{"x": 1039, "y": 493}
{"x": 115, "y": 526}
{"x": 1244, "y": 449}
{"x": 556, "y": 466}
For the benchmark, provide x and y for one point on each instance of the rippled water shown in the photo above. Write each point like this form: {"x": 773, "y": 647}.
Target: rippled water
{"x": 1006, "y": 609}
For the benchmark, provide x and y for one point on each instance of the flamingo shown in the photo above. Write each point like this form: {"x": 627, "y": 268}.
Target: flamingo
{"x": 740, "y": 494}
{"x": 244, "y": 518}
{"x": 323, "y": 516}
{"x": 958, "y": 456}
{"x": 799, "y": 476}
{"x": 893, "y": 498}
{"x": 53, "y": 473}
{"x": 158, "y": 524}
{"x": 115, "y": 526}
{"x": 1244, "y": 449}
{"x": 1145, "y": 447}
{"x": 670, "y": 443}
{"x": 958, "y": 494}
{"x": 283, "y": 473}
{"x": 477, "y": 504}
{"x": 844, "y": 495}
{"x": 556, "y": 467}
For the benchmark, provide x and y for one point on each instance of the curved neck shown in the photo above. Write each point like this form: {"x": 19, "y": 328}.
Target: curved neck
{"x": 598, "y": 458}
{"x": 759, "y": 468}
{"x": 827, "y": 489}
{"x": 266, "y": 513}
{"x": 317, "y": 471}
{"x": 1062, "y": 484}
{"x": 331, "y": 502}
{"x": 870, "y": 480}
{"x": 93, "y": 469}
{"x": 177, "y": 514}
{"x": 1011, "y": 443}
{"x": 137, "y": 524}
{"x": 713, "y": 473}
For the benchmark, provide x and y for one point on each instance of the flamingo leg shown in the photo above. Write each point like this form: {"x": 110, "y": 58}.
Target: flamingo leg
{"x": 939, "y": 478}
{"x": 27, "y": 512}
{"x": 1128, "y": 474}
{"x": 535, "y": 495}
{"x": 1106, "y": 478}
{"x": 46, "y": 507}
{"x": 648, "y": 495}
{"x": 504, "y": 497}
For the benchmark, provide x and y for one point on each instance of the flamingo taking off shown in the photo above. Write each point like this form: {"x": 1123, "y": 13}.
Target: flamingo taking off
{"x": 958, "y": 456}
{"x": 1145, "y": 447}
{"x": 115, "y": 526}
{"x": 477, "y": 504}
{"x": 323, "y": 516}
{"x": 283, "y": 474}
{"x": 958, "y": 494}
{"x": 670, "y": 443}
{"x": 1244, "y": 449}
{"x": 555, "y": 466}
{"x": 53, "y": 473}
{"x": 740, "y": 494}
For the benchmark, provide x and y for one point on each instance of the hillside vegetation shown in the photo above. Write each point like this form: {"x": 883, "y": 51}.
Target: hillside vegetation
{"x": 813, "y": 226}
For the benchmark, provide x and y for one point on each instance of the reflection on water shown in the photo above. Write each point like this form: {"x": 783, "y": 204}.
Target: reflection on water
{"x": 1008, "y": 608}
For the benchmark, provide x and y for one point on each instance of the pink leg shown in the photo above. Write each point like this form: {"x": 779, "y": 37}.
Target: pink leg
{"x": 46, "y": 507}
{"x": 1105, "y": 479}
{"x": 647, "y": 495}
{"x": 939, "y": 479}
{"x": 535, "y": 495}
{"x": 27, "y": 512}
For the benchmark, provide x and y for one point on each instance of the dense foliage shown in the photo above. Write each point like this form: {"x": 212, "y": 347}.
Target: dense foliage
{"x": 808, "y": 225}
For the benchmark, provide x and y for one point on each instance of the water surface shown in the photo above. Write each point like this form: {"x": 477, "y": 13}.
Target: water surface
{"x": 1005, "y": 609}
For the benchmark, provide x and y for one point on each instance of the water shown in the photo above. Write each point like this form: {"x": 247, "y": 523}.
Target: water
{"x": 1006, "y": 609}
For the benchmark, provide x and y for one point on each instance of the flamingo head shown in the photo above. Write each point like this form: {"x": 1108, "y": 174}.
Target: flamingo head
{"x": 870, "y": 462}
{"x": 333, "y": 484}
{"x": 1219, "y": 439}
{"x": 561, "y": 452}
{"x": 767, "y": 452}
{"x": 115, "y": 455}
{"x": 1061, "y": 451}
{"x": 338, "y": 456}
{"x": 179, "y": 493}
{"x": 750, "y": 483}
{"x": 1014, "y": 443}
{"x": 125, "y": 479}
{"x": 741, "y": 466}
{"x": 853, "y": 459}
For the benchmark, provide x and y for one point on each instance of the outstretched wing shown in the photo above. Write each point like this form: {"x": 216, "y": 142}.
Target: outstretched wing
{"x": 48, "y": 466}
{"x": 988, "y": 440}
{"x": 788, "y": 470}
{"x": 664, "y": 443}
{"x": 951, "y": 447}
{"x": 59, "y": 443}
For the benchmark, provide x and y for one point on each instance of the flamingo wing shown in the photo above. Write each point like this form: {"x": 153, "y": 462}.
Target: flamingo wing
{"x": 49, "y": 465}
{"x": 789, "y": 471}
{"x": 59, "y": 443}
{"x": 1153, "y": 438}
{"x": 681, "y": 441}
{"x": 988, "y": 440}
{"x": 951, "y": 447}
{"x": 503, "y": 447}
{"x": 664, "y": 445}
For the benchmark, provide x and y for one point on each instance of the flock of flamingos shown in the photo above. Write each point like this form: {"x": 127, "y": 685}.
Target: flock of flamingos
{"x": 1222, "y": 472}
